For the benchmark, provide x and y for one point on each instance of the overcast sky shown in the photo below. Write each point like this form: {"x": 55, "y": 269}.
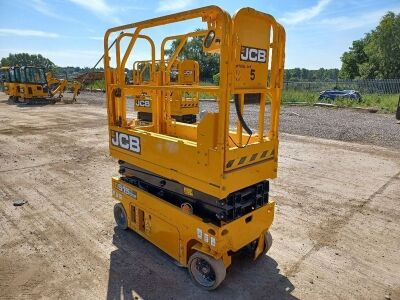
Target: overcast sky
{"x": 70, "y": 32}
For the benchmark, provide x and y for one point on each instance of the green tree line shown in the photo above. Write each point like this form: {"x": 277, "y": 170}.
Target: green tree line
{"x": 25, "y": 59}
{"x": 302, "y": 74}
{"x": 377, "y": 54}
{"x": 37, "y": 60}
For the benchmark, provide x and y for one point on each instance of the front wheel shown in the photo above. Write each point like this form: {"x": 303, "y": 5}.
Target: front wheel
{"x": 120, "y": 216}
{"x": 206, "y": 271}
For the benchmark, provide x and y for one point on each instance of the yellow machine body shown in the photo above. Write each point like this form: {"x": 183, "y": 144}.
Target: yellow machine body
{"x": 36, "y": 84}
{"x": 33, "y": 83}
{"x": 12, "y": 88}
{"x": 28, "y": 83}
{"x": 180, "y": 234}
{"x": 206, "y": 158}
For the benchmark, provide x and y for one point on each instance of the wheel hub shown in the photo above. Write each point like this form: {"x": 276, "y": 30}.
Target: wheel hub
{"x": 205, "y": 270}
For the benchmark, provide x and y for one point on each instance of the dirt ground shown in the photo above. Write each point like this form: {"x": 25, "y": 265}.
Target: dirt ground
{"x": 336, "y": 230}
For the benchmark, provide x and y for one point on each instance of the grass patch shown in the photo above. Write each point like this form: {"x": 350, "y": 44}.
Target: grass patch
{"x": 290, "y": 96}
{"x": 206, "y": 95}
{"x": 384, "y": 102}
{"x": 98, "y": 84}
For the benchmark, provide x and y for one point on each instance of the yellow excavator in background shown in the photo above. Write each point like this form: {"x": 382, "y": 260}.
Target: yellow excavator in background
{"x": 31, "y": 84}
{"x": 37, "y": 86}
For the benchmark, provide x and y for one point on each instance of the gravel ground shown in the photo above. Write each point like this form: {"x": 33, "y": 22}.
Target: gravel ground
{"x": 336, "y": 124}
{"x": 342, "y": 124}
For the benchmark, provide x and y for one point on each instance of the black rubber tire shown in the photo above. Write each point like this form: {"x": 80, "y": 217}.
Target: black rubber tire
{"x": 268, "y": 241}
{"x": 267, "y": 245}
{"x": 120, "y": 216}
{"x": 216, "y": 268}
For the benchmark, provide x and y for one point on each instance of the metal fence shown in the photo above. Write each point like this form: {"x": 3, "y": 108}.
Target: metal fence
{"x": 367, "y": 86}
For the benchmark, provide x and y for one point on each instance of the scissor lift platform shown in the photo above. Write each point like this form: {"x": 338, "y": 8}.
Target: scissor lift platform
{"x": 200, "y": 191}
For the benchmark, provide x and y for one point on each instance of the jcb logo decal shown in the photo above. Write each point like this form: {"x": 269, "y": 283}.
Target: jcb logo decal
{"x": 143, "y": 103}
{"x": 125, "y": 141}
{"x": 126, "y": 190}
{"x": 253, "y": 54}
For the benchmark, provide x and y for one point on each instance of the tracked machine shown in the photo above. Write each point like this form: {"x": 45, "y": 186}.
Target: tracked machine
{"x": 37, "y": 86}
{"x": 29, "y": 84}
{"x": 199, "y": 192}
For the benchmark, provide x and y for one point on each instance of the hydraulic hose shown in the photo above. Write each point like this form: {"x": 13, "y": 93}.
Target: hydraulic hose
{"x": 240, "y": 116}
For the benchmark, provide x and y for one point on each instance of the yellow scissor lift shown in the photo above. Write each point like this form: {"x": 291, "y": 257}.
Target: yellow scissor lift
{"x": 185, "y": 72}
{"x": 200, "y": 191}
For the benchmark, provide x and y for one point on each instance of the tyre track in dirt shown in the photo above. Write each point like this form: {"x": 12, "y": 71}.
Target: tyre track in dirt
{"x": 329, "y": 229}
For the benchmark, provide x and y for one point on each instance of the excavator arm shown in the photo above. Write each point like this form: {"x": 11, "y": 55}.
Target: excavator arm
{"x": 75, "y": 87}
{"x": 60, "y": 85}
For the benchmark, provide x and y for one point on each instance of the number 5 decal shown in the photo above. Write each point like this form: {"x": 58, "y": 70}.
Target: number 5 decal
{"x": 252, "y": 74}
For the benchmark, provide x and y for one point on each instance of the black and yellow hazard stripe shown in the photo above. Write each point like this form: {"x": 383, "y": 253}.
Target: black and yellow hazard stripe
{"x": 245, "y": 160}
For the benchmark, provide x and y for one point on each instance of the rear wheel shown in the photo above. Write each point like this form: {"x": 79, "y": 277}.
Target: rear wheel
{"x": 252, "y": 247}
{"x": 268, "y": 242}
{"x": 206, "y": 271}
{"x": 120, "y": 216}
